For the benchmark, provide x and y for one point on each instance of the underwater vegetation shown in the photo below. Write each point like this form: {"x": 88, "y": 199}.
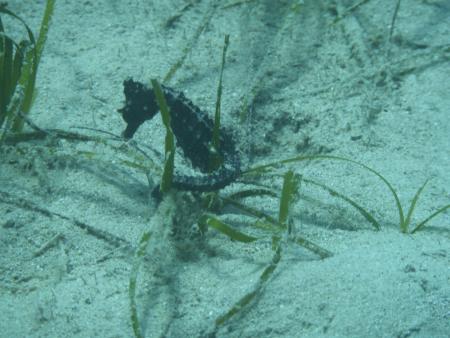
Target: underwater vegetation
{"x": 19, "y": 63}
{"x": 18, "y": 68}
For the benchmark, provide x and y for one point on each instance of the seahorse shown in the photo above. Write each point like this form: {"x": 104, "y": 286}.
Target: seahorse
{"x": 193, "y": 130}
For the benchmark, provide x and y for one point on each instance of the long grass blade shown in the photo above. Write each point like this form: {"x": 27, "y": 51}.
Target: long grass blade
{"x": 291, "y": 184}
{"x": 215, "y": 159}
{"x": 29, "y": 31}
{"x": 394, "y": 18}
{"x": 10, "y": 69}
{"x": 18, "y": 63}
{"x": 429, "y": 218}
{"x": 186, "y": 50}
{"x": 367, "y": 215}
{"x": 252, "y": 211}
{"x": 307, "y": 244}
{"x": 166, "y": 181}
{"x": 252, "y": 193}
{"x": 404, "y": 227}
{"x": 7, "y": 68}
{"x": 264, "y": 168}
{"x": 225, "y": 229}
{"x": 6, "y": 52}
{"x": 142, "y": 248}
{"x": 28, "y": 77}
{"x": 249, "y": 297}
{"x": 350, "y": 11}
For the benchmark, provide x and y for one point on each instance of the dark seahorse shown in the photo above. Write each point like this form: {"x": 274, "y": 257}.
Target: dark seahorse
{"x": 193, "y": 130}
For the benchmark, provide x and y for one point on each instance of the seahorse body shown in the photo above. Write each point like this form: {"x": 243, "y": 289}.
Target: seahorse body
{"x": 193, "y": 130}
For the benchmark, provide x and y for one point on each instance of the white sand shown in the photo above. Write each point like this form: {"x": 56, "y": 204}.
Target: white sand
{"x": 338, "y": 89}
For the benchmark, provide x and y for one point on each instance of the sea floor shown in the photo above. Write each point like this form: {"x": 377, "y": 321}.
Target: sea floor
{"x": 317, "y": 77}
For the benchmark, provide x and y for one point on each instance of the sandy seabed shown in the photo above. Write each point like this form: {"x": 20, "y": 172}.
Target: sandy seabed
{"x": 72, "y": 212}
